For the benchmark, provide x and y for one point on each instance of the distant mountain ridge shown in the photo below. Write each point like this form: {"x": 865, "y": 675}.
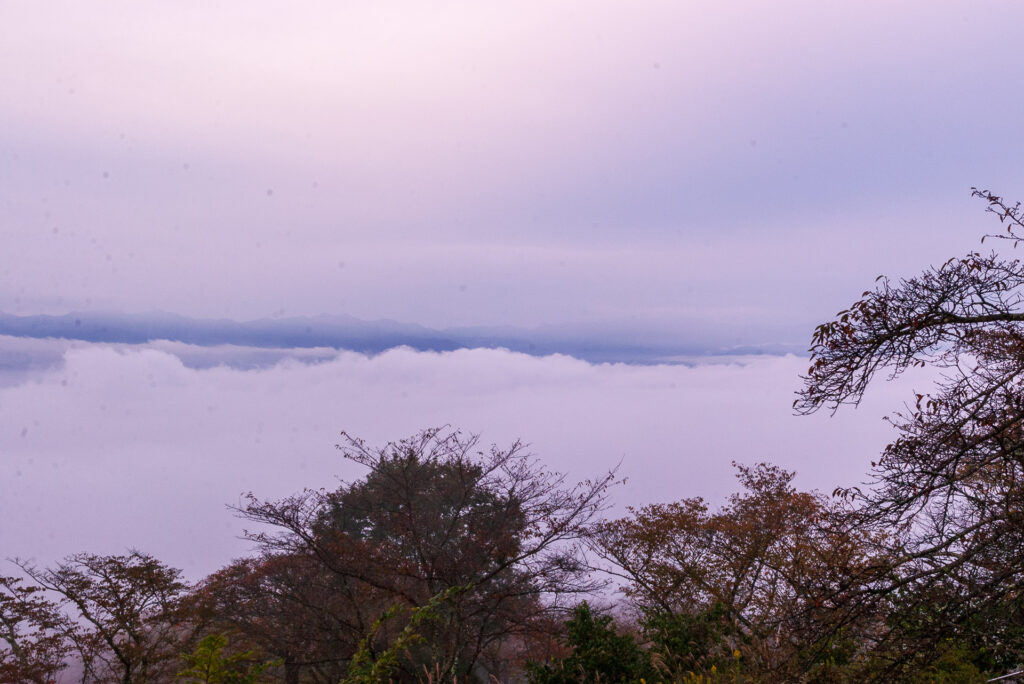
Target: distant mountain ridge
{"x": 370, "y": 337}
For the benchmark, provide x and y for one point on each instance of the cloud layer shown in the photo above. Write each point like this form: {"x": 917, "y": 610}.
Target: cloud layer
{"x": 119, "y": 446}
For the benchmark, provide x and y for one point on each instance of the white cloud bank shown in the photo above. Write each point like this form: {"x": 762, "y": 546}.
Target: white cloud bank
{"x": 121, "y": 446}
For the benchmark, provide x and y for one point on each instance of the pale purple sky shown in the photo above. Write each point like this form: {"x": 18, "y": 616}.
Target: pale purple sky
{"x": 745, "y": 168}
{"x": 496, "y": 163}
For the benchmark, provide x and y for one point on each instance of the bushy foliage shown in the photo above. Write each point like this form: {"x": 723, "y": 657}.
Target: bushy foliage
{"x": 209, "y": 663}
{"x": 598, "y": 654}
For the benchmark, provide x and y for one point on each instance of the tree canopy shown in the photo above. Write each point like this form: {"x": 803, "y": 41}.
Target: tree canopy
{"x": 131, "y": 625}
{"x": 436, "y": 512}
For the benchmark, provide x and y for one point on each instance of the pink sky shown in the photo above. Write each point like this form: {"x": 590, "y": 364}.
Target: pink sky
{"x": 458, "y": 163}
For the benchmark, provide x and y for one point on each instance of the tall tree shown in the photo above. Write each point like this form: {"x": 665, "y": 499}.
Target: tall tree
{"x": 289, "y": 608}
{"x": 435, "y": 512}
{"x": 760, "y": 577}
{"x": 950, "y": 487}
{"x": 130, "y": 627}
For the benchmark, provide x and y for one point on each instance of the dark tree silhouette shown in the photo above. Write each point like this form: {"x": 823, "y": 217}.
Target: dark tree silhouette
{"x": 950, "y": 489}
{"x": 289, "y": 608}
{"x": 434, "y": 513}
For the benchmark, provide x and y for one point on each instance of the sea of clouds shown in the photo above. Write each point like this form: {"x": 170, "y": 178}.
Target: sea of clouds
{"x": 105, "y": 447}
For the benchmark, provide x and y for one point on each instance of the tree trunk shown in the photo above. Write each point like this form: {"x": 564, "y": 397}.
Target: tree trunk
{"x": 291, "y": 672}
